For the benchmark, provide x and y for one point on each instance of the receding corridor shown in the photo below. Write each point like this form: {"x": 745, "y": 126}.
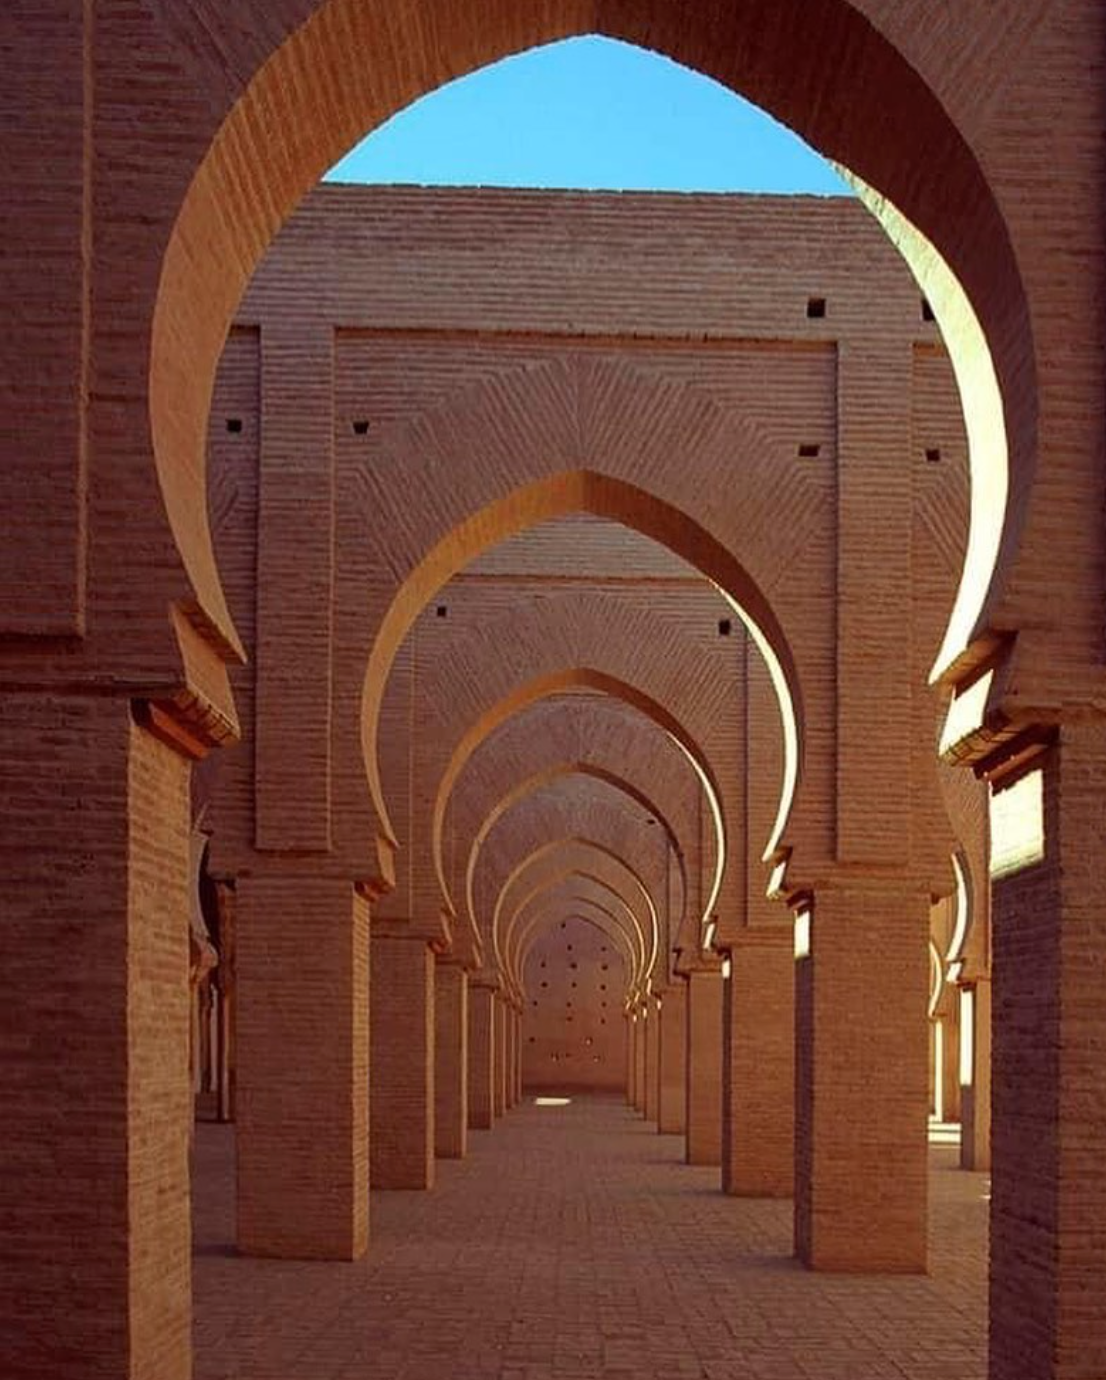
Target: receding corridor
{"x": 574, "y": 1242}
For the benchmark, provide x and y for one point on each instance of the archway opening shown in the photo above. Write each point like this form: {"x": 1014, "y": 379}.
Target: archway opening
{"x": 841, "y": 92}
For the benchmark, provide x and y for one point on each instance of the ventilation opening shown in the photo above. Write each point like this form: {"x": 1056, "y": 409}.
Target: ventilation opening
{"x": 441, "y": 610}
{"x": 927, "y": 310}
{"x": 361, "y": 428}
{"x": 816, "y": 308}
{"x": 933, "y": 455}
{"x": 725, "y": 627}
{"x": 809, "y": 452}
{"x": 234, "y": 426}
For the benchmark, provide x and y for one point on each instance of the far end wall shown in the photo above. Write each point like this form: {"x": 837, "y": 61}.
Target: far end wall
{"x": 573, "y": 1030}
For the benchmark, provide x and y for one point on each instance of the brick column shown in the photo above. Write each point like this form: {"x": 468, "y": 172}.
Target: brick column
{"x": 975, "y": 1081}
{"x": 758, "y": 1065}
{"x": 672, "y": 1098}
{"x": 94, "y": 1197}
{"x": 451, "y": 1074}
{"x": 640, "y": 1039}
{"x": 225, "y": 900}
{"x": 510, "y": 1034}
{"x": 704, "y": 1066}
{"x": 631, "y": 1058}
{"x": 303, "y": 1065}
{"x": 481, "y": 1055}
{"x": 861, "y": 1080}
{"x": 519, "y": 1039}
{"x": 1048, "y": 1173}
{"x": 499, "y": 1056}
{"x": 652, "y": 1060}
{"x": 401, "y": 1069}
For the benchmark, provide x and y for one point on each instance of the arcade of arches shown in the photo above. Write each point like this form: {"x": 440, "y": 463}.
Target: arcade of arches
{"x": 465, "y": 643}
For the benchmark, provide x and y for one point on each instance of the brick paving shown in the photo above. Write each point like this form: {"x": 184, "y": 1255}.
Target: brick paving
{"x": 573, "y": 1243}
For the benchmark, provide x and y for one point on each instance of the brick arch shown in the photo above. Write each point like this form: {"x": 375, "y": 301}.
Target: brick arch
{"x": 569, "y": 856}
{"x": 594, "y": 733}
{"x": 572, "y": 806}
{"x": 578, "y": 640}
{"x": 597, "y": 731}
{"x": 555, "y": 684}
{"x": 641, "y": 425}
{"x": 593, "y": 898}
{"x": 563, "y": 772}
{"x": 865, "y": 84}
{"x": 543, "y": 912}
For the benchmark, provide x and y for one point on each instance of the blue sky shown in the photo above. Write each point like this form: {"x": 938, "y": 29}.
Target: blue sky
{"x": 588, "y": 113}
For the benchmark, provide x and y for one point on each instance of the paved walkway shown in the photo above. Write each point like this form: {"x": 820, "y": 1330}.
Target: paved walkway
{"x": 573, "y": 1244}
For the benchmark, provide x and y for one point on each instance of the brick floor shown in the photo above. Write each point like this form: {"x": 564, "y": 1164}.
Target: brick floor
{"x": 573, "y": 1243}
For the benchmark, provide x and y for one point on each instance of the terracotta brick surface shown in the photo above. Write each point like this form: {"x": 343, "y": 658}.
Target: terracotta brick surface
{"x": 499, "y": 1056}
{"x": 402, "y": 1066}
{"x": 860, "y": 1081}
{"x": 134, "y": 216}
{"x": 451, "y": 1059}
{"x": 303, "y": 1066}
{"x": 481, "y": 1056}
{"x": 1049, "y": 1159}
{"x": 639, "y": 1018}
{"x": 704, "y": 1067}
{"x": 573, "y": 1030}
{"x": 672, "y": 1096}
{"x": 758, "y": 1066}
{"x": 97, "y": 1104}
{"x": 585, "y": 1247}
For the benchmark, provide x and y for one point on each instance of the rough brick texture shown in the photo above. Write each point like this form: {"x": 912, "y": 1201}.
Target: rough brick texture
{"x": 1048, "y": 1257}
{"x": 481, "y": 1056}
{"x": 704, "y": 1067}
{"x": 861, "y": 1081}
{"x": 451, "y": 1059}
{"x": 758, "y": 1063}
{"x": 672, "y": 1076}
{"x": 402, "y": 1064}
{"x": 303, "y": 1066}
{"x": 133, "y": 217}
{"x": 98, "y": 809}
{"x": 574, "y": 1034}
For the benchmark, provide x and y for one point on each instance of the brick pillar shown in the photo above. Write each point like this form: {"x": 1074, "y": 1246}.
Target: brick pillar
{"x": 975, "y": 1085}
{"x": 451, "y": 1073}
{"x": 861, "y": 1080}
{"x": 94, "y": 1197}
{"x": 510, "y": 1035}
{"x": 519, "y": 1040}
{"x": 225, "y": 899}
{"x": 652, "y": 1060}
{"x": 672, "y": 1098}
{"x": 499, "y": 1056}
{"x": 758, "y": 1065}
{"x": 640, "y": 1038}
{"x": 1048, "y": 1170}
{"x": 481, "y": 1056}
{"x": 704, "y": 1066}
{"x": 631, "y": 1058}
{"x": 401, "y": 1070}
{"x": 303, "y": 1066}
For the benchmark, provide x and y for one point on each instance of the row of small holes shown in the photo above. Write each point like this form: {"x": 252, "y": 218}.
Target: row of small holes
{"x": 811, "y": 452}
{"x": 816, "y": 309}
